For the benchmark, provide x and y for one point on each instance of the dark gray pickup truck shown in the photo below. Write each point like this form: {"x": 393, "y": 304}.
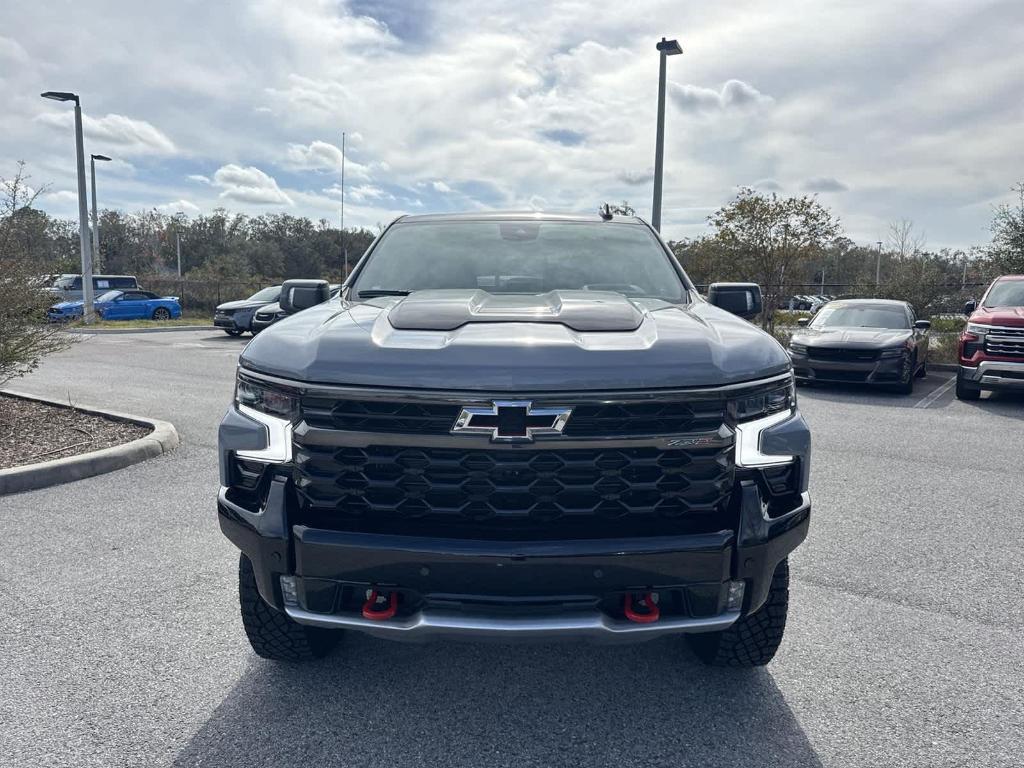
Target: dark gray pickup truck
{"x": 515, "y": 426}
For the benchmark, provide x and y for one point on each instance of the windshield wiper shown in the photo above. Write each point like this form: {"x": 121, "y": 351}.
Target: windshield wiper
{"x": 372, "y": 294}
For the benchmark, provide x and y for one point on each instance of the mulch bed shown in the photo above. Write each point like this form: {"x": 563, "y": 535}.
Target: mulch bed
{"x": 32, "y": 432}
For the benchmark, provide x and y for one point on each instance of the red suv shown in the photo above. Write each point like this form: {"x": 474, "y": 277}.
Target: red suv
{"x": 992, "y": 345}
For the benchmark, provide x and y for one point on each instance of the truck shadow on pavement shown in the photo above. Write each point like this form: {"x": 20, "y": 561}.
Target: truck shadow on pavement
{"x": 380, "y": 703}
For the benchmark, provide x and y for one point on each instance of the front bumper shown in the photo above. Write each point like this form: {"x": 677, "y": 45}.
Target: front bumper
{"x": 512, "y": 589}
{"x": 995, "y": 374}
{"x": 882, "y": 371}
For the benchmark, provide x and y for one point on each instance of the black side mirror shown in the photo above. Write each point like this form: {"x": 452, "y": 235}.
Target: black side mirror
{"x": 803, "y": 321}
{"x": 922, "y": 325}
{"x": 297, "y": 295}
{"x": 970, "y": 306}
{"x": 743, "y": 299}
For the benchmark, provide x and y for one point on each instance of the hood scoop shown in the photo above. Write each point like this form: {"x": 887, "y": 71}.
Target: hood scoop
{"x": 584, "y": 311}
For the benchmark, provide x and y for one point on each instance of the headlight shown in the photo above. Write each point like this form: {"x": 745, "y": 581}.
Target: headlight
{"x": 894, "y": 351}
{"x": 798, "y": 349}
{"x": 266, "y": 399}
{"x": 978, "y": 330}
{"x": 778, "y": 399}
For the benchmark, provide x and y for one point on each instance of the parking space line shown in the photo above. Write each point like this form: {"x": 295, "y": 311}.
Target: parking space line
{"x": 930, "y": 398}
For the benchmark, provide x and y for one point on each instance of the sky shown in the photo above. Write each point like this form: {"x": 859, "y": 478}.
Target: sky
{"x": 885, "y": 109}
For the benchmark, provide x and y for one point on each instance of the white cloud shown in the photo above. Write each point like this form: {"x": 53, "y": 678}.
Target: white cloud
{"x": 441, "y": 187}
{"x": 198, "y": 178}
{"x": 734, "y": 95}
{"x": 636, "y": 178}
{"x": 184, "y": 206}
{"x": 126, "y": 135}
{"x": 61, "y": 196}
{"x": 824, "y": 184}
{"x": 248, "y": 185}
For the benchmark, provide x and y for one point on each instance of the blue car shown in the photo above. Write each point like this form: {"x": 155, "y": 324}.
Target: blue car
{"x": 121, "y": 305}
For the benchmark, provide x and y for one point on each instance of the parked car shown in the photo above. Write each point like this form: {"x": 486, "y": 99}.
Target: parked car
{"x": 267, "y": 315}
{"x": 235, "y": 317}
{"x": 991, "y": 350}
{"x": 464, "y": 453}
{"x": 864, "y": 341}
{"x": 69, "y": 287}
{"x": 120, "y": 305}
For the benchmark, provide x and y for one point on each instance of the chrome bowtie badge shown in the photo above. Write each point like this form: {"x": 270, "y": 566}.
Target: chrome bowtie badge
{"x": 512, "y": 420}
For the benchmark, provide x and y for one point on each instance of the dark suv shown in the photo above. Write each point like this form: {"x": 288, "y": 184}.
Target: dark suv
{"x": 515, "y": 426}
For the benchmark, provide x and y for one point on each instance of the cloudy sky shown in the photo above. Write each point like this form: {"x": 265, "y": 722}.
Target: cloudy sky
{"x": 886, "y": 109}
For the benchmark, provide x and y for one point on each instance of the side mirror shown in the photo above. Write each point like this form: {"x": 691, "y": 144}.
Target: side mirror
{"x": 297, "y": 295}
{"x": 803, "y": 321}
{"x": 970, "y": 306}
{"x": 922, "y": 325}
{"x": 743, "y": 299}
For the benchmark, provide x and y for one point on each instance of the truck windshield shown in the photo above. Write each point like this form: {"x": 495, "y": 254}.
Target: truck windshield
{"x": 1007, "y": 293}
{"x": 526, "y": 256}
{"x": 838, "y": 315}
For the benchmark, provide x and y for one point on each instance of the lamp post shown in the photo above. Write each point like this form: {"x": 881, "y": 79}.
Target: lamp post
{"x": 96, "y": 258}
{"x": 878, "y": 267}
{"x": 665, "y": 48}
{"x": 83, "y": 207}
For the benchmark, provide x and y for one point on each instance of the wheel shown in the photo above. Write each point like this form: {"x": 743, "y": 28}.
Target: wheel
{"x": 906, "y": 385}
{"x": 232, "y": 332}
{"x": 753, "y": 640}
{"x": 271, "y": 633}
{"x": 161, "y": 313}
{"x": 922, "y": 372}
{"x": 965, "y": 390}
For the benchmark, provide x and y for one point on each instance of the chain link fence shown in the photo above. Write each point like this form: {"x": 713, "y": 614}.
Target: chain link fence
{"x": 199, "y": 296}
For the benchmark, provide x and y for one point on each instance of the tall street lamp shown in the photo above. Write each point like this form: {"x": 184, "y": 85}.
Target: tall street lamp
{"x": 95, "y": 217}
{"x": 83, "y": 208}
{"x": 666, "y": 48}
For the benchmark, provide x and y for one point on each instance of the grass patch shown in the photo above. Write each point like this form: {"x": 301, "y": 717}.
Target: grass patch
{"x": 184, "y": 320}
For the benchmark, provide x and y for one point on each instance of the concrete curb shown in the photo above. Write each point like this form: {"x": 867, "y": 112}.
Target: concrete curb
{"x": 163, "y": 438}
{"x": 170, "y": 329}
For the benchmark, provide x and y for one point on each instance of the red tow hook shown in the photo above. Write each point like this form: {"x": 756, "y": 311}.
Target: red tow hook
{"x": 651, "y": 615}
{"x": 373, "y": 613}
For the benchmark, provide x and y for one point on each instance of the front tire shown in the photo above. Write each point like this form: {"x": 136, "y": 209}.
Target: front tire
{"x": 965, "y": 390}
{"x": 272, "y": 634}
{"x": 231, "y": 332}
{"x": 906, "y": 385}
{"x": 753, "y": 640}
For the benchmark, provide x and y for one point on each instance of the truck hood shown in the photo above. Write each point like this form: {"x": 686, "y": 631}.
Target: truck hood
{"x": 871, "y": 338}
{"x": 562, "y": 340}
{"x": 1008, "y": 316}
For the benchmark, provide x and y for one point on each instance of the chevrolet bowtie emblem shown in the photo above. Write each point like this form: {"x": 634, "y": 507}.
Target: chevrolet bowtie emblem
{"x": 511, "y": 420}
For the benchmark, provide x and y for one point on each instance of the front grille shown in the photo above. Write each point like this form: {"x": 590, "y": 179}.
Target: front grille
{"x": 851, "y": 376}
{"x": 582, "y": 493}
{"x": 1005, "y": 342}
{"x": 844, "y": 354}
{"x": 623, "y": 419}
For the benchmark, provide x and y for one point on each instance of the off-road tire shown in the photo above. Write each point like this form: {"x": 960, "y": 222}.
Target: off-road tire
{"x": 231, "y": 332}
{"x": 753, "y": 640}
{"x": 965, "y": 391}
{"x": 161, "y": 313}
{"x": 271, "y": 633}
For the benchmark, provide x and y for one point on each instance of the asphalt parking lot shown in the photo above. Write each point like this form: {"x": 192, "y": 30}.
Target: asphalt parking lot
{"x": 121, "y": 645}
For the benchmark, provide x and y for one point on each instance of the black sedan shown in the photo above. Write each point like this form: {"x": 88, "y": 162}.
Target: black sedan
{"x": 235, "y": 317}
{"x": 269, "y": 314}
{"x": 864, "y": 341}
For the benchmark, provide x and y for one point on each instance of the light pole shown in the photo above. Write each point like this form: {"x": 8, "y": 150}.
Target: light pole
{"x": 344, "y": 248}
{"x": 83, "y": 206}
{"x": 95, "y": 217}
{"x": 878, "y": 267}
{"x": 665, "y": 48}
{"x": 177, "y": 239}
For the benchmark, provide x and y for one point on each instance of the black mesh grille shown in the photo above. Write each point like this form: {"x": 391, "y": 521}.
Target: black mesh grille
{"x": 655, "y": 418}
{"x": 581, "y": 492}
{"x": 842, "y": 353}
{"x": 588, "y": 420}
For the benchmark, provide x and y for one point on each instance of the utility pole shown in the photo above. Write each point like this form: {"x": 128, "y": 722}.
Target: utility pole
{"x": 177, "y": 237}
{"x": 344, "y": 247}
{"x": 83, "y": 205}
{"x": 665, "y": 48}
{"x": 878, "y": 266}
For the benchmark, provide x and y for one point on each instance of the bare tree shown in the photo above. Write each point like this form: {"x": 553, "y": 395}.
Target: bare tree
{"x": 25, "y": 337}
{"x": 904, "y": 241}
